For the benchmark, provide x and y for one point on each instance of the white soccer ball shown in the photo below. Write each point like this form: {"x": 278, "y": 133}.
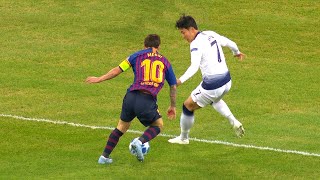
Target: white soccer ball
{"x": 145, "y": 148}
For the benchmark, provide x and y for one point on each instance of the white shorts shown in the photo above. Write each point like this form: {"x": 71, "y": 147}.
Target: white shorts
{"x": 205, "y": 97}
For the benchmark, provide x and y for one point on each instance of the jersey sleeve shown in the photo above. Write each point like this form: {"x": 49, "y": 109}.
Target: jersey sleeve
{"x": 230, "y": 44}
{"x": 125, "y": 65}
{"x": 195, "y": 63}
{"x": 170, "y": 76}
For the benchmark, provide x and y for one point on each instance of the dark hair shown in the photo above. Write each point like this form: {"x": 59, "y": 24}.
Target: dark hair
{"x": 152, "y": 40}
{"x": 186, "y": 22}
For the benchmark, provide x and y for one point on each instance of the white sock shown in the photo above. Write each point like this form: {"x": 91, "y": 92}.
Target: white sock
{"x": 186, "y": 123}
{"x": 224, "y": 110}
{"x": 233, "y": 121}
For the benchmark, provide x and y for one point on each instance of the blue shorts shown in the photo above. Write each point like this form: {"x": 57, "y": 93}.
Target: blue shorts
{"x": 141, "y": 105}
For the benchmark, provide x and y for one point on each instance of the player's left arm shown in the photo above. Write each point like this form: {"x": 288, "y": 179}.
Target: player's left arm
{"x": 232, "y": 45}
{"x": 171, "y": 112}
{"x": 171, "y": 79}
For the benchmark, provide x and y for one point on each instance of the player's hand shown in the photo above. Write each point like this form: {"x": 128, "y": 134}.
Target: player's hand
{"x": 171, "y": 113}
{"x": 178, "y": 82}
{"x": 92, "y": 79}
{"x": 240, "y": 56}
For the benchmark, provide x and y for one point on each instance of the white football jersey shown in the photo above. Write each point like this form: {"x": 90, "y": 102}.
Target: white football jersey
{"x": 206, "y": 53}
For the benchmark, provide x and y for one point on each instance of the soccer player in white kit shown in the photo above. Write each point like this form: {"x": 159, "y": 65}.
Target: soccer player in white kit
{"x": 206, "y": 54}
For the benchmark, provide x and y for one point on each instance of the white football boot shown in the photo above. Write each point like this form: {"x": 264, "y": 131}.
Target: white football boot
{"x": 238, "y": 129}
{"x": 179, "y": 140}
{"x": 104, "y": 160}
{"x": 136, "y": 146}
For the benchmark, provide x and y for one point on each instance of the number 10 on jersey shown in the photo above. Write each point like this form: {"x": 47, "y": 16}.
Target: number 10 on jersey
{"x": 152, "y": 70}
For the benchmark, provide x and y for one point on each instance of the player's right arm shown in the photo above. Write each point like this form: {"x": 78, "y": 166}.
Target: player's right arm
{"x": 195, "y": 64}
{"x": 124, "y": 65}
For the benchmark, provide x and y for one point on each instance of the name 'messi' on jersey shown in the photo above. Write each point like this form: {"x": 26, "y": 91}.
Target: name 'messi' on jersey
{"x": 154, "y": 55}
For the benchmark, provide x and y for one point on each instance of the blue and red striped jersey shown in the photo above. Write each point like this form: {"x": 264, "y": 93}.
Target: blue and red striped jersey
{"x": 150, "y": 70}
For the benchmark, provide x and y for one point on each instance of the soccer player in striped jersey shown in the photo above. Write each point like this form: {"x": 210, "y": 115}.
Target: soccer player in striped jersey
{"x": 206, "y": 54}
{"x": 150, "y": 69}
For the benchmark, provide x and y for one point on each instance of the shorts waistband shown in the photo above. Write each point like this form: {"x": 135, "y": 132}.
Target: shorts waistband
{"x": 145, "y": 92}
{"x": 216, "y": 83}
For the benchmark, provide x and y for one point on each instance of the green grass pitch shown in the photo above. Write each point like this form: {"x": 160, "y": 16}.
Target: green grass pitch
{"x": 48, "y": 48}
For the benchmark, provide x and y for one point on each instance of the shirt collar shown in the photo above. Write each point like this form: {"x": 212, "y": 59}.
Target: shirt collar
{"x": 197, "y": 35}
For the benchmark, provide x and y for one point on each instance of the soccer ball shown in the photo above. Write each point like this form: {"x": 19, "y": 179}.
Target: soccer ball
{"x": 145, "y": 148}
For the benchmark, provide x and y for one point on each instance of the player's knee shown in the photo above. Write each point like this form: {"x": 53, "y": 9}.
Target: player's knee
{"x": 187, "y": 110}
{"x": 190, "y": 105}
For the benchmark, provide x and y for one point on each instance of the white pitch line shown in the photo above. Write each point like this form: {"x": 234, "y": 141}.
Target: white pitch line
{"x": 163, "y": 135}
